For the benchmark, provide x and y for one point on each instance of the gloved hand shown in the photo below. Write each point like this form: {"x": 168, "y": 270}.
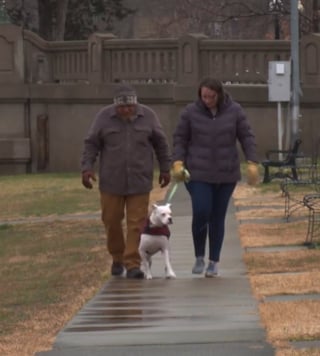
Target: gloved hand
{"x": 180, "y": 174}
{"x": 87, "y": 176}
{"x": 252, "y": 173}
{"x": 164, "y": 179}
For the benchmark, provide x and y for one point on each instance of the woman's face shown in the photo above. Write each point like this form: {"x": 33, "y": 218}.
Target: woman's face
{"x": 209, "y": 97}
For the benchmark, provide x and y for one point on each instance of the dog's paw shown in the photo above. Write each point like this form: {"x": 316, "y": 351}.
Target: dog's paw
{"x": 148, "y": 276}
{"x": 171, "y": 275}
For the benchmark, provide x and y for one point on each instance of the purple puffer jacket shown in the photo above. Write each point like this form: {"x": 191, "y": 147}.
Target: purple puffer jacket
{"x": 207, "y": 143}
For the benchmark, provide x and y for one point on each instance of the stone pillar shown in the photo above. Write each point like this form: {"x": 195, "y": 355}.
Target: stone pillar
{"x": 12, "y": 54}
{"x": 98, "y": 63}
{"x": 189, "y": 59}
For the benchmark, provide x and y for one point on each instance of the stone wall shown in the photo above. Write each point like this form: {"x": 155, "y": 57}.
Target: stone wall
{"x": 50, "y": 92}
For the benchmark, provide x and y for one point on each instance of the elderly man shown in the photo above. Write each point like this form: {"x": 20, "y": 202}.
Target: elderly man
{"x": 125, "y": 135}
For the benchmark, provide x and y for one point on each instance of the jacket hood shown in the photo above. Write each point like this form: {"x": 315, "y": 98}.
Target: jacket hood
{"x": 201, "y": 105}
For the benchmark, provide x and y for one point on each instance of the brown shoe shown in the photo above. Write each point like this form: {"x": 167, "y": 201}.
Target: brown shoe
{"x": 135, "y": 273}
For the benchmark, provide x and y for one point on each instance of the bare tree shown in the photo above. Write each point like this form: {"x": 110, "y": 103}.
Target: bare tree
{"x": 225, "y": 19}
{"x": 309, "y": 16}
{"x": 232, "y": 19}
{"x": 85, "y": 17}
{"x": 66, "y": 19}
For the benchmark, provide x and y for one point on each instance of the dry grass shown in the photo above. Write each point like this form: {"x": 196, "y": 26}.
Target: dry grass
{"x": 58, "y": 262}
{"x": 291, "y": 271}
{"x": 282, "y": 324}
{"x": 282, "y": 261}
{"x": 277, "y": 234}
{"x": 277, "y": 284}
{"x": 48, "y": 269}
{"x": 271, "y": 273}
{"x": 38, "y": 332}
{"x": 258, "y": 213}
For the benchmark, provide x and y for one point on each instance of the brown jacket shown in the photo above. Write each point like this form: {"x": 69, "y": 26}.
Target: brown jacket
{"x": 126, "y": 150}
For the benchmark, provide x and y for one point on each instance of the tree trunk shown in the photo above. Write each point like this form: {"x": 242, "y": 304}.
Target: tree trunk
{"x": 315, "y": 16}
{"x": 45, "y": 19}
{"x": 62, "y": 7}
{"x": 52, "y": 18}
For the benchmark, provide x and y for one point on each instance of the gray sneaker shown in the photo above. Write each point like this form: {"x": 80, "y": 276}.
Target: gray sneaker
{"x": 198, "y": 266}
{"x": 212, "y": 269}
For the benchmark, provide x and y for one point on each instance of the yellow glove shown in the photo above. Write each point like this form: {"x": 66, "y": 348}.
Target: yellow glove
{"x": 180, "y": 174}
{"x": 252, "y": 173}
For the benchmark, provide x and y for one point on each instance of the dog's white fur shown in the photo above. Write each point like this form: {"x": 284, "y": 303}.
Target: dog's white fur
{"x": 160, "y": 216}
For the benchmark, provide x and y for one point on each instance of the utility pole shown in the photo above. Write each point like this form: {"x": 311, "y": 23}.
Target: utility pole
{"x": 296, "y": 90}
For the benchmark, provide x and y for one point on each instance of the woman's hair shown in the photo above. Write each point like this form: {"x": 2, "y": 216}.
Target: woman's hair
{"x": 213, "y": 84}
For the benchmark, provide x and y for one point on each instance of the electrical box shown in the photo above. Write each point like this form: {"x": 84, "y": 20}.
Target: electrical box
{"x": 279, "y": 81}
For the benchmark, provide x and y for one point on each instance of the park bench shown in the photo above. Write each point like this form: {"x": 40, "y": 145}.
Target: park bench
{"x": 304, "y": 192}
{"x": 294, "y": 191}
{"x": 312, "y": 203}
{"x": 281, "y": 163}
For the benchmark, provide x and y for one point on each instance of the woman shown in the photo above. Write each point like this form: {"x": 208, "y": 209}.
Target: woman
{"x": 205, "y": 147}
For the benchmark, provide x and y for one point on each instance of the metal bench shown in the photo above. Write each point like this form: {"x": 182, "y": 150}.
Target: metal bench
{"x": 282, "y": 168}
{"x": 312, "y": 203}
{"x": 306, "y": 182}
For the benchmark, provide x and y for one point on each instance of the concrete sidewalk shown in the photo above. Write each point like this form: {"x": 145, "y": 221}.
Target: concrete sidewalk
{"x": 190, "y": 315}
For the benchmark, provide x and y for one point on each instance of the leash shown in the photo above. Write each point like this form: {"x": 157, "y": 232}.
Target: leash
{"x": 172, "y": 192}
{"x": 174, "y": 188}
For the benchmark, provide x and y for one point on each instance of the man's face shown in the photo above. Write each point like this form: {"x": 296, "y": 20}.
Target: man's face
{"x": 126, "y": 111}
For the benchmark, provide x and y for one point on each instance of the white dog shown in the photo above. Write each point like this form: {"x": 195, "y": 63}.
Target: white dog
{"x": 155, "y": 238}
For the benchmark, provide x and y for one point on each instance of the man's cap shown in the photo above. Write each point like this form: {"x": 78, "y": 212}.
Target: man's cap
{"x": 125, "y": 95}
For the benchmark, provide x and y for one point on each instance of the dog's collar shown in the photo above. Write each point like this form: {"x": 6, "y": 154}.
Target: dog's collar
{"x": 155, "y": 230}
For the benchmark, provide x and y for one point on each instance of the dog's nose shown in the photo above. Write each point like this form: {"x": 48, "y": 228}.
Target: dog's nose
{"x": 170, "y": 221}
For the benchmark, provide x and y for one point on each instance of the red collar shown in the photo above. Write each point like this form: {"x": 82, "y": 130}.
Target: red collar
{"x": 155, "y": 230}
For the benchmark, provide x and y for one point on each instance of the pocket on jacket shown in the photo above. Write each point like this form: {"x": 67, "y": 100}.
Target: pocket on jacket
{"x": 112, "y": 137}
{"x": 142, "y": 135}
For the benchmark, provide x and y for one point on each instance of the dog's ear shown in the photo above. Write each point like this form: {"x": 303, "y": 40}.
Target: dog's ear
{"x": 169, "y": 205}
{"x": 154, "y": 206}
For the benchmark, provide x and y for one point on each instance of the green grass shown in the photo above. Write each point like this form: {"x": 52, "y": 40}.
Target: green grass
{"x": 45, "y": 265}
{"x": 45, "y": 194}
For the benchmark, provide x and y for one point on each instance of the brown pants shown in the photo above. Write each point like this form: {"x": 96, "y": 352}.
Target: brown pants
{"x": 114, "y": 209}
